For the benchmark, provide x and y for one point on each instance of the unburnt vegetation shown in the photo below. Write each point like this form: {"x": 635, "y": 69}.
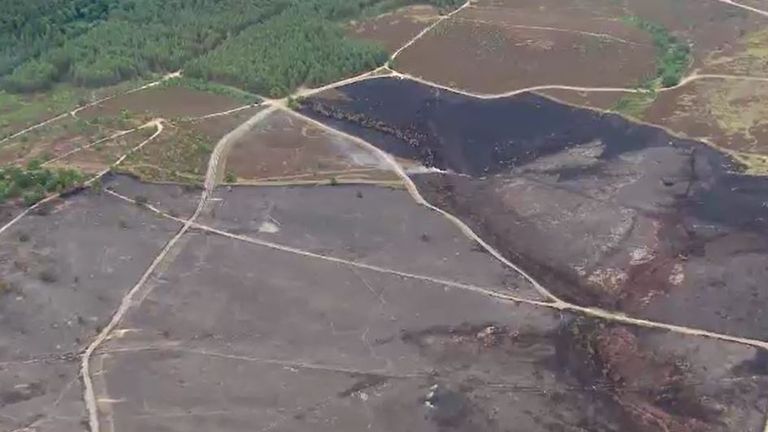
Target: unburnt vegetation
{"x": 266, "y": 46}
{"x": 32, "y": 183}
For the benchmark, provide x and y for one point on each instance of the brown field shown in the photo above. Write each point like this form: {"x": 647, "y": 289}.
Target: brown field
{"x": 394, "y": 29}
{"x": 100, "y": 156}
{"x": 747, "y": 55}
{"x": 506, "y": 45}
{"x": 216, "y": 127}
{"x": 286, "y": 148}
{"x": 179, "y": 154}
{"x": 710, "y": 25}
{"x": 53, "y": 140}
{"x": 168, "y": 102}
{"x": 497, "y": 57}
{"x": 732, "y": 114}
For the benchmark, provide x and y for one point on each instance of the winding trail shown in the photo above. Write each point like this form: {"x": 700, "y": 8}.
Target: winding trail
{"x": 86, "y": 147}
{"x": 74, "y": 112}
{"x": 488, "y": 96}
{"x": 218, "y": 157}
{"x": 129, "y": 299}
{"x": 214, "y": 172}
{"x": 486, "y": 291}
{"x": 156, "y": 123}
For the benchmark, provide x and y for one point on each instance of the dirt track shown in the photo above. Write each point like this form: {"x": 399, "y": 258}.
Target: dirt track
{"x": 213, "y": 174}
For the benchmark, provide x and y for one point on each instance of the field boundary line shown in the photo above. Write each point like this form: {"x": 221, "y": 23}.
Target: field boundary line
{"x": 157, "y": 123}
{"x": 553, "y": 29}
{"x": 222, "y": 113}
{"x": 751, "y": 9}
{"x": 76, "y": 110}
{"x": 128, "y": 300}
{"x": 488, "y": 96}
{"x": 115, "y": 135}
{"x": 413, "y": 191}
{"x": 561, "y": 306}
{"x": 425, "y": 31}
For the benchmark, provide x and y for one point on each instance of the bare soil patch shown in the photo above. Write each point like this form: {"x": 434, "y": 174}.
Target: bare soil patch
{"x": 307, "y": 345}
{"x": 496, "y": 58}
{"x": 284, "y": 148}
{"x": 392, "y": 30}
{"x": 64, "y": 271}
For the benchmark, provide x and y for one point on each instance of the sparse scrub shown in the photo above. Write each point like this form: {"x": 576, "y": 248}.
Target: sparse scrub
{"x": 34, "y": 182}
{"x": 181, "y": 155}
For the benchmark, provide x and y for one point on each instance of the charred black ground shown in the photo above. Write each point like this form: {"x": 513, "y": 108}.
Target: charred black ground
{"x": 604, "y": 211}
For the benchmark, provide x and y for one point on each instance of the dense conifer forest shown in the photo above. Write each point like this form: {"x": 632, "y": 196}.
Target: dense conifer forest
{"x": 264, "y": 46}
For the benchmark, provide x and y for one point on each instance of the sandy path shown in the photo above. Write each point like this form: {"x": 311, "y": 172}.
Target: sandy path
{"x": 487, "y": 291}
{"x": 605, "y": 36}
{"x": 213, "y": 173}
{"x": 74, "y": 112}
{"x": 130, "y": 299}
{"x": 743, "y": 6}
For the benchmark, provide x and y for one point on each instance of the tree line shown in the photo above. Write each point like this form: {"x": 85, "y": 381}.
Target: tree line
{"x": 264, "y": 46}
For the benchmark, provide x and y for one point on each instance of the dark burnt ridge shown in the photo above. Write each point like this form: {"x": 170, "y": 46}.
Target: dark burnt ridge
{"x": 711, "y": 222}
{"x": 477, "y": 137}
{"x": 472, "y": 136}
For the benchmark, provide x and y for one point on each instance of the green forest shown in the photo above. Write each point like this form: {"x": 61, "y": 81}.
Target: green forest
{"x": 263, "y": 46}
